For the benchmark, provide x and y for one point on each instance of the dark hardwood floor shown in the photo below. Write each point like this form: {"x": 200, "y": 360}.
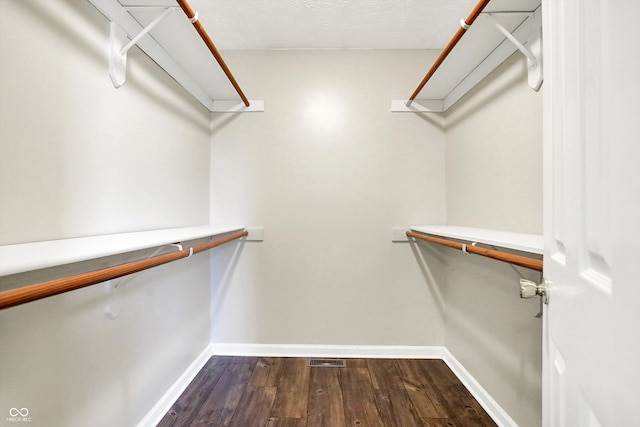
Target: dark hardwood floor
{"x": 286, "y": 392}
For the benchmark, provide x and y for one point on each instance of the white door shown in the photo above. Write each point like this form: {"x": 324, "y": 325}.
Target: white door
{"x": 591, "y": 347}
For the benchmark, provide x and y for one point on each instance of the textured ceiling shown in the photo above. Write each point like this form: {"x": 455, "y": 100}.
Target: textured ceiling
{"x": 314, "y": 24}
{"x": 334, "y": 24}
{"x": 327, "y": 24}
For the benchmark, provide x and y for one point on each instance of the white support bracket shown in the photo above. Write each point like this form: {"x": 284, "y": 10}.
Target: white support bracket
{"x": 118, "y": 48}
{"x": 533, "y": 50}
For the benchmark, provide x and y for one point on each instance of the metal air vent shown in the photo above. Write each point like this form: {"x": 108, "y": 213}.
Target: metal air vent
{"x": 327, "y": 363}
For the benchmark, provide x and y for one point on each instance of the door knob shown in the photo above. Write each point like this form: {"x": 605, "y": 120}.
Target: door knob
{"x": 530, "y": 289}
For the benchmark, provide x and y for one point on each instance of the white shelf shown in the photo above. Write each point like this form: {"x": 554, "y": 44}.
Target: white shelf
{"x": 32, "y": 256}
{"x": 480, "y": 51}
{"x": 194, "y": 68}
{"x": 532, "y": 243}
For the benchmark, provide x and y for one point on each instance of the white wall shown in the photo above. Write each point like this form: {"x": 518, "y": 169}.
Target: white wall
{"x": 69, "y": 137}
{"x": 494, "y": 154}
{"x": 77, "y": 158}
{"x": 327, "y": 170}
{"x": 494, "y": 180}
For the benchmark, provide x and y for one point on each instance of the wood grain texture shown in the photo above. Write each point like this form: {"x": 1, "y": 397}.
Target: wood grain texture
{"x": 293, "y": 389}
{"x": 225, "y": 397}
{"x": 396, "y": 408}
{"x": 286, "y": 392}
{"x": 422, "y": 390}
{"x": 326, "y": 406}
{"x": 358, "y": 398}
{"x": 255, "y": 404}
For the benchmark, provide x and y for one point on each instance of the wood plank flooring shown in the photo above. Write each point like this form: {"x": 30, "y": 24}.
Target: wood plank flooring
{"x": 286, "y": 392}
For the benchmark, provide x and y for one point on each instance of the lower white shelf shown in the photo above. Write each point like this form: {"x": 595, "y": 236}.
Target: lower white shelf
{"x": 532, "y": 243}
{"x": 33, "y": 256}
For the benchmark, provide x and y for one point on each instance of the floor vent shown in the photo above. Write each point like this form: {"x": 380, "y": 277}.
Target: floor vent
{"x": 327, "y": 363}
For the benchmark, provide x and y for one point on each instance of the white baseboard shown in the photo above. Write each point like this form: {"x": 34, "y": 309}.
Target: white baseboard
{"x": 344, "y": 351}
{"x": 165, "y": 403}
{"x": 485, "y": 400}
{"x": 494, "y": 410}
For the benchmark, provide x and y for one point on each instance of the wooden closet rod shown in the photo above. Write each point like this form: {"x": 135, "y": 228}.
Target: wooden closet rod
{"x": 464, "y": 26}
{"x": 522, "y": 261}
{"x": 54, "y": 287}
{"x": 193, "y": 17}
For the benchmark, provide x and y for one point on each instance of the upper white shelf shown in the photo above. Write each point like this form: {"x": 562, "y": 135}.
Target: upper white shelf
{"x": 32, "y": 256}
{"x": 481, "y": 50}
{"x": 532, "y": 243}
{"x": 194, "y": 68}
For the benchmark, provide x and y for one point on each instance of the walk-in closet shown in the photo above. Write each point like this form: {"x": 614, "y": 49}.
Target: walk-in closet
{"x": 318, "y": 213}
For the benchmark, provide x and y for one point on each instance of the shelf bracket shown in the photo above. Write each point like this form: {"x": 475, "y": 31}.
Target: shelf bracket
{"x": 533, "y": 50}
{"x": 118, "y": 47}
